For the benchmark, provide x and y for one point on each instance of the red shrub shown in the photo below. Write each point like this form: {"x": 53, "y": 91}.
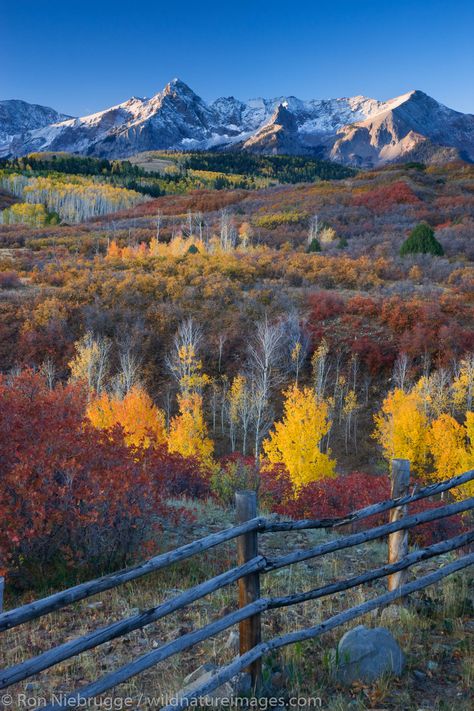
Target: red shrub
{"x": 9, "y": 280}
{"x": 325, "y": 305}
{"x": 387, "y": 197}
{"x": 71, "y": 496}
{"x": 276, "y": 490}
{"x": 175, "y": 475}
{"x": 375, "y": 355}
{"x": 333, "y": 498}
{"x": 434, "y": 531}
{"x": 363, "y": 306}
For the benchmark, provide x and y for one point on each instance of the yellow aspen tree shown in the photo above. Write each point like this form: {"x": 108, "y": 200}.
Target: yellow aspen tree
{"x": 91, "y": 361}
{"x": 295, "y": 359}
{"x": 143, "y": 423}
{"x": 349, "y": 411}
{"x": 452, "y": 448}
{"x": 402, "y": 426}
{"x": 235, "y": 397}
{"x": 188, "y": 431}
{"x": 295, "y": 441}
{"x": 463, "y": 384}
{"x": 468, "y": 460}
{"x": 319, "y": 364}
{"x": 184, "y": 362}
{"x": 435, "y": 391}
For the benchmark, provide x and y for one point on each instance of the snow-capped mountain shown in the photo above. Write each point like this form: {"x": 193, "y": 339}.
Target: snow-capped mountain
{"x": 18, "y": 117}
{"x": 356, "y": 130}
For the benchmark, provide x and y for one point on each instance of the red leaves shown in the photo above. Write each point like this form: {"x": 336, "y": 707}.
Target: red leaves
{"x": 387, "y": 197}
{"x": 70, "y": 494}
{"x": 375, "y": 329}
{"x": 325, "y": 305}
{"x": 332, "y": 498}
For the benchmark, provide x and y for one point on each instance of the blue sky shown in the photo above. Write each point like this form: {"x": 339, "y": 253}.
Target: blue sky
{"x": 80, "y": 57}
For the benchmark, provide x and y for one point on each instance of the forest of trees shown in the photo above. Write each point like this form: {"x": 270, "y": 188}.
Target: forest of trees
{"x": 74, "y": 198}
{"x": 283, "y": 169}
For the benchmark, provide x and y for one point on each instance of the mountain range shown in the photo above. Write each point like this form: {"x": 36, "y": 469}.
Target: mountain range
{"x": 356, "y": 131}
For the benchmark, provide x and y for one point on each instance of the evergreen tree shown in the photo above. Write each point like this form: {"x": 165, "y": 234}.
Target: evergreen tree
{"x": 421, "y": 240}
{"x": 314, "y": 245}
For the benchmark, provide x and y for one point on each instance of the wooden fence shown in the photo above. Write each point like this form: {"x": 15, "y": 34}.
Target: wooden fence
{"x": 250, "y": 565}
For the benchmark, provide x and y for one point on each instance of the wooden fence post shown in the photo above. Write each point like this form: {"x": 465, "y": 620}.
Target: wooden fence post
{"x": 398, "y": 541}
{"x": 250, "y": 633}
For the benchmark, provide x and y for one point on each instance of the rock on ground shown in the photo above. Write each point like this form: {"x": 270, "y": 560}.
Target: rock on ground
{"x": 367, "y": 654}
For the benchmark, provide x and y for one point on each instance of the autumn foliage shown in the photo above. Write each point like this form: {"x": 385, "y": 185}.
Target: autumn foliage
{"x": 387, "y": 197}
{"x": 142, "y": 422}
{"x": 73, "y": 496}
{"x": 335, "y": 498}
{"x": 295, "y": 442}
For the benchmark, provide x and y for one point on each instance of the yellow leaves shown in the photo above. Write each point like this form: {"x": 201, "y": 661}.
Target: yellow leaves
{"x": 188, "y": 431}
{"x": 192, "y": 379}
{"x": 295, "y": 353}
{"x": 350, "y": 403}
{"x": 48, "y": 310}
{"x": 327, "y": 235}
{"x": 236, "y": 396}
{"x": 24, "y": 213}
{"x": 402, "y": 426}
{"x": 73, "y": 197}
{"x": 463, "y": 385}
{"x": 142, "y": 422}
{"x": 446, "y": 442}
{"x": 276, "y": 219}
{"x": 452, "y": 448}
{"x": 295, "y": 440}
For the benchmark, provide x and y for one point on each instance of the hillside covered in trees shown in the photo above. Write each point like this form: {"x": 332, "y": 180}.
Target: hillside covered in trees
{"x": 184, "y": 343}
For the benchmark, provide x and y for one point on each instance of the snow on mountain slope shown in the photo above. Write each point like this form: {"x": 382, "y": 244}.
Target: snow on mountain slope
{"x": 355, "y": 130}
{"x": 18, "y": 117}
{"x": 404, "y": 126}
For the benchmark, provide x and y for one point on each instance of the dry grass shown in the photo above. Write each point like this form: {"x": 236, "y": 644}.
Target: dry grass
{"x": 435, "y": 632}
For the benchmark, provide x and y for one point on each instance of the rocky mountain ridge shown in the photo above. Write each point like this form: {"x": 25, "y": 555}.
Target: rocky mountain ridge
{"x": 356, "y": 131}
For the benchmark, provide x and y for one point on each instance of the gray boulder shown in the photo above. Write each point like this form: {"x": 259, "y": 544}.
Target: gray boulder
{"x": 367, "y": 654}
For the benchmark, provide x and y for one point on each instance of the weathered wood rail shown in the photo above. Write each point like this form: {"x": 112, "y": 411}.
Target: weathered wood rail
{"x": 247, "y": 574}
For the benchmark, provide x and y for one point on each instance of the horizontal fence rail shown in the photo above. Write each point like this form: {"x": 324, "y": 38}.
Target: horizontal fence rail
{"x": 93, "y": 587}
{"x": 372, "y": 534}
{"x": 246, "y": 574}
{"x": 372, "y": 509}
{"x": 230, "y": 670}
{"x": 118, "y": 629}
{"x": 79, "y": 592}
{"x": 43, "y": 661}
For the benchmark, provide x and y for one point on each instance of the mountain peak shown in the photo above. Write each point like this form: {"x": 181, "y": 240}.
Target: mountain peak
{"x": 283, "y": 117}
{"x": 177, "y": 86}
{"x": 355, "y": 130}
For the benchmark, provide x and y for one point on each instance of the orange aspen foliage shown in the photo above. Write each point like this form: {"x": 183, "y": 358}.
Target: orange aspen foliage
{"x": 142, "y": 422}
{"x": 113, "y": 250}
